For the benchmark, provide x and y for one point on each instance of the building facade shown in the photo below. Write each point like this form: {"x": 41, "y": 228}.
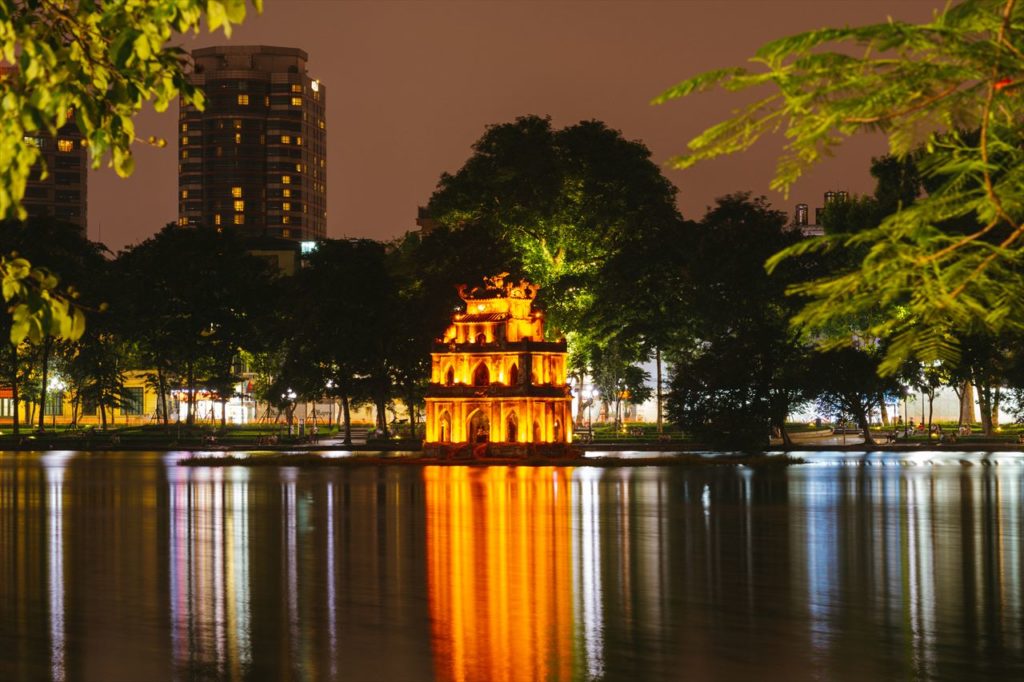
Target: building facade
{"x": 63, "y": 193}
{"x": 496, "y": 384}
{"x": 256, "y": 156}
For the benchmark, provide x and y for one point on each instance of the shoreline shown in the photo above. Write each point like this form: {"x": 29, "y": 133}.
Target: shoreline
{"x": 666, "y": 448}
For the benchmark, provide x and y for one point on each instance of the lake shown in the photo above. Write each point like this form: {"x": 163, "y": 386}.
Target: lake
{"x": 127, "y": 566}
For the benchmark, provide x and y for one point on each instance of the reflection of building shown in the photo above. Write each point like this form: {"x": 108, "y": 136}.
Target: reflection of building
{"x": 256, "y": 157}
{"x": 62, "y": 193}
{"x": 494, "y": 379}
{"x": 499, "y": 559}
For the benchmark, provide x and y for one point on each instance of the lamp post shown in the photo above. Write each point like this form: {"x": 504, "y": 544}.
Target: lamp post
{"x": 56, "y": 386}
{"x": 289, "y": 396}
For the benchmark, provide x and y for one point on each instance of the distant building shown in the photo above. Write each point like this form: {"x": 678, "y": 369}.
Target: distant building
{"x": 256, "y": 157}
{"x": 63, "y": 193}
{"x": 802, "y": 215}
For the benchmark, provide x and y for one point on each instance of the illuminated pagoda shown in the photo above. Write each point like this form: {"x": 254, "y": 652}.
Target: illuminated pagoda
{"x": 497, "y": 387}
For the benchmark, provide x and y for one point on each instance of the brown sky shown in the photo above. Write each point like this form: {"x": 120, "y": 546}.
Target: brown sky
{"x": 411, "y": 85}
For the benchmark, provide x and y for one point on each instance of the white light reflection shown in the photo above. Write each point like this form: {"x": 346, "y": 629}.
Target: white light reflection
{"x": 921, "y": 574}
{"x": 54, "y": 464}
{"x": 586, "y": 551}
{"x": 208, "y": 547}
{"x": 290, "y": 474}
{"x": 332, "y": 614}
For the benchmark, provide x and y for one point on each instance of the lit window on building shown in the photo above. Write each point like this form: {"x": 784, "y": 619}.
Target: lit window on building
{"x": 184, "y": 127}
{"x": 239, "y": 204}
{"x": 298, "y": 168}
{"x": 239, "y": 219}
{"x": 184, "y": 153}
{"x": 296, "y": 101}
{"x": 286, "y": 206}
{"x": 184, "y": 194}
{"x": 298, "y": 141}
{"x": 184, "y": 140}
{"x": 286, "y": 233}
{"x": 286, "y": 192}
{"x": 236, "y": 192}
{"x": 286, "y": 179}
{"x": 266, "y": 100}
{"x": 321, "y": 124}
{"x": 296, "y": 87}
{"x": 34, "y": 141}
{"x": 243, "y": 100}
{"x": 238, "y": 138}
{"x": 216, "y": 219}
{"x": 238, "y": 124}
{"x": 286, "y": 139}
{"x": 284, "y": 220}
{"x": 64, "y": 145}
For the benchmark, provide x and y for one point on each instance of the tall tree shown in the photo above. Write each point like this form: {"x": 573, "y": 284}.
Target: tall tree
{"x": 739, "y": 369}
{"x": 561, "y": 201}
{"x": 201, "y": 304}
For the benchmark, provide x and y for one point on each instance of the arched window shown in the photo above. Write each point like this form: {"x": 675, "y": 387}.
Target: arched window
{"x": 479, "y": 429}
{"x": 511, "y": 428}
{"x": 536, "y": 433}
{"x": 513, "y": 375}
{"x": 481, "y": 338}
{"x": 449, "y": 377}
{"x": 481, "y": 377}
{"x": 446, "y": 427}
{"x": 557, "y": 432}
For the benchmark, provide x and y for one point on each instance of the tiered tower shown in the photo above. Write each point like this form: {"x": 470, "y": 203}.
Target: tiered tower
{"x": 497, "y": 387}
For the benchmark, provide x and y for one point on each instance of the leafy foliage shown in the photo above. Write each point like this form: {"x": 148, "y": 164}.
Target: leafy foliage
{"x": 922, "y": 86}
{"x": 96, "y": 63}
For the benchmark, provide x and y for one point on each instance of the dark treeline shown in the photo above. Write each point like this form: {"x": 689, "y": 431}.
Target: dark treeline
{"x": 580, "y": 211}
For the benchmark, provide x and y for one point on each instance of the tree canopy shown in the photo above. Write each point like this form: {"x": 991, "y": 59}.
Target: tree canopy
{"x": 560, "y": 202}
{"x": 947, "y": 89}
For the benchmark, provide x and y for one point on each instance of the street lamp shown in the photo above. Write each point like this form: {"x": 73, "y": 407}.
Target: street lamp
{"x": 290, "y": 396}
{"x": 56, "y": 386}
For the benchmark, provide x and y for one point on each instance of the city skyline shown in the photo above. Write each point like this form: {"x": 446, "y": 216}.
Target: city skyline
{"x": 415, "y": 84}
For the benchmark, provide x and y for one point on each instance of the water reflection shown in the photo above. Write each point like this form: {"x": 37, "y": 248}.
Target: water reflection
{"x": 208, "y": 556}
{"x": 125, "y": 567}
{"x": 500, "y": 572}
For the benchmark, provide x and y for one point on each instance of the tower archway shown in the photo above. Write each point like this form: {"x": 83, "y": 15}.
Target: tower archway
{"x": 481, "y": 375}
{"x": 479, "y": 428}
{"x": 445, "y": 427}
{"x": 511, "y": 428}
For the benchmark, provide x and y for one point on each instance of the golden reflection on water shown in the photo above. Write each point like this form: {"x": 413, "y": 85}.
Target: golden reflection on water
{"x": 499, "y": 565}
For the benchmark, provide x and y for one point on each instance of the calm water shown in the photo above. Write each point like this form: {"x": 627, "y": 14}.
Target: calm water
{"x": 128, "y": 567}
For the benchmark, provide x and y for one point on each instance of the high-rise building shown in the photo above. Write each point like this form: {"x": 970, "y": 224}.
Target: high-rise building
{"x": 256, "y": 157}
{"x": 62, "y": 194}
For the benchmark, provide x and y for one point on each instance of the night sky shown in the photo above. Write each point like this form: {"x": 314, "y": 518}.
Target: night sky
{"x": 411, "y": 85}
